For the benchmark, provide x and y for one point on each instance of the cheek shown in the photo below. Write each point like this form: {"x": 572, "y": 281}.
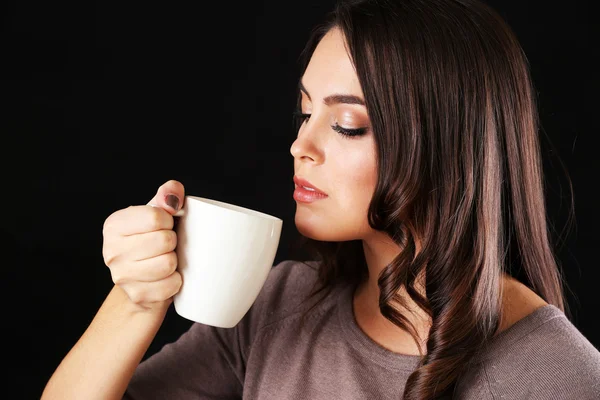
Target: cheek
{"x": 348, "y": 211}
{"x": 356, "y": 174}
{"x": 354, "y": 197}
{"x": 343, "y": 216}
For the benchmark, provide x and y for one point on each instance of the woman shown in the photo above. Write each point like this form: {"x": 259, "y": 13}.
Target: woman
{"x": 419, "y": 186}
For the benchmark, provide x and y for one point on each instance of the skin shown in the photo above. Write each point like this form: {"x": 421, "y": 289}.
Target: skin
{"x": 345, "y": 169}
{"x": 138, "y": 243}
{"x": 138, "y": 246}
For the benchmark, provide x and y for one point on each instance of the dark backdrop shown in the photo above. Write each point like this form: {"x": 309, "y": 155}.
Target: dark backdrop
{"x": 103, "y": 102}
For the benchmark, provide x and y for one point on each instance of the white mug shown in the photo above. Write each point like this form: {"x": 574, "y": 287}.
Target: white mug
{"x": 225, "y": 253}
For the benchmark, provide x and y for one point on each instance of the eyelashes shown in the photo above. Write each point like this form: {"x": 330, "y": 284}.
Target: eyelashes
{"x": 301, "y": 117}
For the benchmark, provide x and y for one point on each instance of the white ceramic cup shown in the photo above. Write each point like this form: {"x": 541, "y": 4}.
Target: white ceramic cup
{"x": 225, "y": 253}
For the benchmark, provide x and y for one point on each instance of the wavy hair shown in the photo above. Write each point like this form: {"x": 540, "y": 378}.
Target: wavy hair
{"x": 452, "y": 107}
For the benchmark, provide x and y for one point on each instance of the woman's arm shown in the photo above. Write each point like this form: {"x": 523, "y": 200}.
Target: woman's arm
{"x": 102, "y": 362}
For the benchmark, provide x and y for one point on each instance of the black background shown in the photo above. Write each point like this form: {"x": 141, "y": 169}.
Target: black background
{"x": 103, "y": 102}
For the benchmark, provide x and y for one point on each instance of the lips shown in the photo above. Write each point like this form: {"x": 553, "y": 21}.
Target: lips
{"x": 307, "y": 185}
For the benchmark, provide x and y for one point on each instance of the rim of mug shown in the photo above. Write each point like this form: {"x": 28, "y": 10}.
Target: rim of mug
{"x": 232, "y": 207}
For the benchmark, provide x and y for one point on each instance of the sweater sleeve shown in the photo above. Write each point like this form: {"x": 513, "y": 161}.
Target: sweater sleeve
{"x": 208, "y": 362}
{"x": 204, "y": 363}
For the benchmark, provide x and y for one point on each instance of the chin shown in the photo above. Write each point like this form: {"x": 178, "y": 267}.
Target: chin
{"x": 324, "y": 231}
{"x": 311, "y": 231}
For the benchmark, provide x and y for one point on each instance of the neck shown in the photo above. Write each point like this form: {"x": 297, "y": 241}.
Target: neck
{"x": 380, "y": 251}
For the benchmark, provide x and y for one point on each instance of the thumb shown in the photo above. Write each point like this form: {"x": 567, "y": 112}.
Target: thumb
{"x": 170, "y": 196}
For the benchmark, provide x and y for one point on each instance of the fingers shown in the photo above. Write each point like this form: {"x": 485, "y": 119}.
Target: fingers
{"x": 147, "y": 270}
{"x": 170, "y": 197}
{"x": 137, "y": 219}
{"x": 145, "y": 245}
{"x": 139, "y": 244}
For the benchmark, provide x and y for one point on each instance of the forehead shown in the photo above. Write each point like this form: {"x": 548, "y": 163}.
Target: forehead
{"x": 330, "y": 69}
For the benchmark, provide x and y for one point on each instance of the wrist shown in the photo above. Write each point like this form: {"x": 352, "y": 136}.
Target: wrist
{"x": 131, "y": 309}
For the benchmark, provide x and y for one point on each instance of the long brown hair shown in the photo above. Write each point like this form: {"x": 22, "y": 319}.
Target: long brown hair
{"x": 452, "y": 107}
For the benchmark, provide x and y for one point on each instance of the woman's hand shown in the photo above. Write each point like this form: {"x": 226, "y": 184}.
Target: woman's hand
{"x": 138, "y": 247}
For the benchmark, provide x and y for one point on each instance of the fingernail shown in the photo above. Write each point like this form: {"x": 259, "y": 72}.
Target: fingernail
{"x": 173, "y": 201}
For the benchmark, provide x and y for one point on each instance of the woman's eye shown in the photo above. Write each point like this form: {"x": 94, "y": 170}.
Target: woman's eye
{"x": 347, "y": 132}
{"x": 300, "y": 116}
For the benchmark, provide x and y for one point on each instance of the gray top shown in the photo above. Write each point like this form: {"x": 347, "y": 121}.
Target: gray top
{"x": 269, "y": 356}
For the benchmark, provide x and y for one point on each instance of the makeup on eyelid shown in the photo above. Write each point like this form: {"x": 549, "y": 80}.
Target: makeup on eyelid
{"x": 336, "y": 126}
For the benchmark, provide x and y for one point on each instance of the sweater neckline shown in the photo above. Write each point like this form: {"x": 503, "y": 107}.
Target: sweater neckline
{"x": 389, "y": 359}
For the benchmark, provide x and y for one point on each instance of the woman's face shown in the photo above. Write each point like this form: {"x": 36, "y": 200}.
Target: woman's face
{"x": 342, "y": 167}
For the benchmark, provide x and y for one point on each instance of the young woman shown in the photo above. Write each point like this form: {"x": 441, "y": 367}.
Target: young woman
{"x": 419, "y": 186}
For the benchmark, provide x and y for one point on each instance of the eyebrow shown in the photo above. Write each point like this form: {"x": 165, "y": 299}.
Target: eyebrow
{"x": 335, "y": 98}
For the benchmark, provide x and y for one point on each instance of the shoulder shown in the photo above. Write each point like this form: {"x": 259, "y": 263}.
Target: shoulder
{"x": 518, "y": 302}
{"x": 545, "y": 355}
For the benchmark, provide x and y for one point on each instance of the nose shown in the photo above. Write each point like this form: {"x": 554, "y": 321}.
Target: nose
{"x": 306, "y": 146}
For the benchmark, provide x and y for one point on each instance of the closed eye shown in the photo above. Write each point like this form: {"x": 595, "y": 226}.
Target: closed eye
{"x": 346, "y": 132}
{"x": 300, "y": 116}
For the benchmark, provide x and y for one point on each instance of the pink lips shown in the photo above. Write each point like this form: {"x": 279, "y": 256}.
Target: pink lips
{"x": 305, "y": 192}
{"x": 302, "y": 182}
